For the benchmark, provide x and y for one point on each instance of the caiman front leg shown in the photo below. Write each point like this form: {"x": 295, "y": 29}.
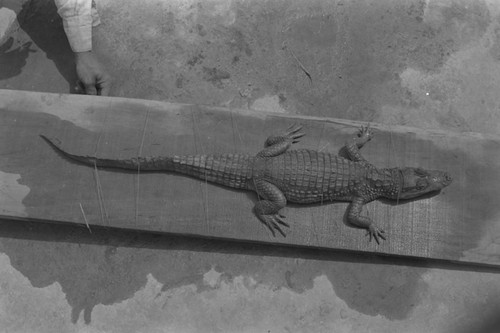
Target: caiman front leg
{"x": 352, "y": 148}
{"x": 278, "y": 144}
{"x": 271, "y": 201}
{"x": 354, "y": 217}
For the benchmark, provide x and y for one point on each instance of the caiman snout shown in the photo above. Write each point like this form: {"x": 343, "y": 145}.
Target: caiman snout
{"x": 417, "y": 182}
{"x": 438, "y": 179}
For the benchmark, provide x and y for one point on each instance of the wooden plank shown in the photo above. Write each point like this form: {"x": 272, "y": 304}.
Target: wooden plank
{"x": 460, "y": 224}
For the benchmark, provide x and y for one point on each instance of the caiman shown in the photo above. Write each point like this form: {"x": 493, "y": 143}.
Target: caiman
{"x": 279, "y": 175}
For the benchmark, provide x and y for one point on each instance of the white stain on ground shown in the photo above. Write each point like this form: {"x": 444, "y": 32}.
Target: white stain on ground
{"x": 43, "y": 309}
{"x": 211, "y": 278}
{"x": 12, "y": 195}
{"x": 462, "y": 95}
{"x": 268, "y": 103}
{"x": 237, "y": 305}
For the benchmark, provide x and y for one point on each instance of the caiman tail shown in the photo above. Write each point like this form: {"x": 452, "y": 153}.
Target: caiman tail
{"x": 232, "y": 170}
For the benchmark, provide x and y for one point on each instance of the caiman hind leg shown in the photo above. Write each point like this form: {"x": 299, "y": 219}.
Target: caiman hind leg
{"x": 271, "y": 201}
{"x": 278, "y": 144}
{"x": 354, "y": 217}
{"x": 352, "y": 148}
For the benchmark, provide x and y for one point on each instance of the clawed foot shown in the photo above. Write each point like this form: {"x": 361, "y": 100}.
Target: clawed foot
{"x": 273, "y": 223}
{"x": 290, "y": 136}
{"x": 375, "y": 232}
{"x": 293, "y": 133}
{"x": 365, "y": 134}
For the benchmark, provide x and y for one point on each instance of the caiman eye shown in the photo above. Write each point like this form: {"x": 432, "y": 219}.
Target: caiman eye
{"x": 421, "y": 184}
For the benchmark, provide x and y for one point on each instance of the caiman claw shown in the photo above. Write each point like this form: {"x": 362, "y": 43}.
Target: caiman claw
{"x": 289, "y": 137}
{"x": 273, "y": 223}
{"x": 375, "y": 232}
{"x": 365, "y": 133}
{"x": 293, "y": 133}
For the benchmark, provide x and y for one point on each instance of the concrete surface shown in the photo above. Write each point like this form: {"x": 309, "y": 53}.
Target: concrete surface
{"x": 430, "y": 64}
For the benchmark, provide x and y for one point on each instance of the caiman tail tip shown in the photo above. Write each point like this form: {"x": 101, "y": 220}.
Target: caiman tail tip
{"x": 46, "y": 138}
{"x": 53, "y": 142}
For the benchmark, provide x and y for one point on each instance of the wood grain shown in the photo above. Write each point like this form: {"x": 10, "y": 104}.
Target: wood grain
{"x": 462, "y": 223}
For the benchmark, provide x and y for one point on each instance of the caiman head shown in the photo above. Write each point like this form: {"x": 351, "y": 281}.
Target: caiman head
{"x": 415, "y": 182}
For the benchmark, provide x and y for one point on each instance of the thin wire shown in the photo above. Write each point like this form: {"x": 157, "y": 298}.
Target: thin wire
{"x": 139, "y": 167}
{"x": 301, "y": 66}
{"x": 196, "y": 143}
{"x": 322, "y": 197}
{"x": 100, "y": 195}
{"x": 85, "y": 218}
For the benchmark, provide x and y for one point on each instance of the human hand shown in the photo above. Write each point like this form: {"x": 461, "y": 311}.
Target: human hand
{"x": 91, "y": 73}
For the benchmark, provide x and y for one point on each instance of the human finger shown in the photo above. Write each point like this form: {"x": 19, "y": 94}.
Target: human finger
{"x": 104, "y": 86}
{"x": 90, "y": 89}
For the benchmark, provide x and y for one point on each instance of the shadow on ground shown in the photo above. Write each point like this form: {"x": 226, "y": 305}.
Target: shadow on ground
{"x": 110, "y": 265}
